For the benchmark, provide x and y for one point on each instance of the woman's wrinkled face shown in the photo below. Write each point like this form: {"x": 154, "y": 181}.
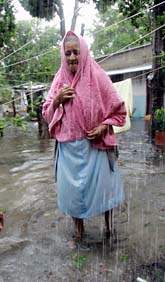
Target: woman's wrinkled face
{"x": 72, "y": 54}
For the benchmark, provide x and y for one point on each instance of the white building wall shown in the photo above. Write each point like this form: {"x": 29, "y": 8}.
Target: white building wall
{"x": 139, "y": 97}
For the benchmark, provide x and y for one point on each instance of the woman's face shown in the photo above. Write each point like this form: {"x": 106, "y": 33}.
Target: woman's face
{"x": 72, "y": 54}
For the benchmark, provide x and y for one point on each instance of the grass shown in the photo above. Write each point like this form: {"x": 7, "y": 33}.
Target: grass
{"x": 79, "y": 260}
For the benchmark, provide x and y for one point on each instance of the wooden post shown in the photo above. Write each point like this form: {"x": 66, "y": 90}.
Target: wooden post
{"x": 13, "y": 103}
{"x": 157, "y": 83}
{"x": 31, "y": 96}
{"x": 82, "y": 29}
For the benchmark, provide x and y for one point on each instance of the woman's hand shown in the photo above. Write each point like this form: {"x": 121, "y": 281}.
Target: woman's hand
{"x": 64, "y": 95}
{"x": 97, "y": 131}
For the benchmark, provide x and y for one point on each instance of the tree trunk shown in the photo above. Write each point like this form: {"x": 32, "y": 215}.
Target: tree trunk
{"x": 13, "y": 104}
{"x": 42, "y": 125}
{"x": 75, "y": 15}
{"x": 82, "y": 29}
{"x": 60, "y": 13}
{"x": 157, "y": 83}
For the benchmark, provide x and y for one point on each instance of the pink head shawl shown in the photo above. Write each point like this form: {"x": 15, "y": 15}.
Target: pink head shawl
{"x": 96, "y": 100}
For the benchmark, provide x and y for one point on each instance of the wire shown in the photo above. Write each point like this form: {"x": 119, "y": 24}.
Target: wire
{"x": 26, "y": 82}
{"x": 31, "y": 92}
{"x": 63, "y": 20}
{"x": 13, "y": 80}
{"x": 19, "y": 85}
{"x": 26, "y": 74}
{"x": 51, "y": 72}
{"x": 151, "y": 70}
{"x": 31, "y": 40}
{"x": 96, "y": 32}
{"x": 34, "y": 57}
{"x": 141, "y": 37}
{"x": 20, "y": 48}
{"x": 123, "y": 20}
{"x": 41, "y": 54}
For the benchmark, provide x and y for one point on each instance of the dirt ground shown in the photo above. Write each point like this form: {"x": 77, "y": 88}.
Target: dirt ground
{"x": 36, "y": 243}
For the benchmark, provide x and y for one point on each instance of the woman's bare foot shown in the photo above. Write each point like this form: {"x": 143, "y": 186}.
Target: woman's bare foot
{"x": 79, "y": 228}
{"x": 1, "y": 221}
{"x": 108, "y": 223}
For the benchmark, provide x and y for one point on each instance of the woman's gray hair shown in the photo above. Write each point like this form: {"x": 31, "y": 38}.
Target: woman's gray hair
{"x": 71, "y": 37}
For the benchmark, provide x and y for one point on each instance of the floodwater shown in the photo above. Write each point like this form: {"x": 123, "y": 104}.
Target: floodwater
{"x": 36, "y": 243}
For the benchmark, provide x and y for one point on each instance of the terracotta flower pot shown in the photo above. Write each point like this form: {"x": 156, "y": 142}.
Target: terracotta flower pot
{"x": 160, "y": 138}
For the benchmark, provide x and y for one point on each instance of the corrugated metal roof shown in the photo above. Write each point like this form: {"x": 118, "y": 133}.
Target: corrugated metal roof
{"x": 130, "y": 69}
{"x": 98, "y": 59}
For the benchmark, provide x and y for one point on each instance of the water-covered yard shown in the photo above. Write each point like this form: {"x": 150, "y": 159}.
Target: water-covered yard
{"x": 36, "y": 243}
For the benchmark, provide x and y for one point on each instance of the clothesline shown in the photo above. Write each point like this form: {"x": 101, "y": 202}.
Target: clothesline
{"x": 18, "y": 98}
{"x": 132, "y": 78}
{"x": 25, "y": 82}
{"x": 140, "y": 38}
{"x": 31, "y": 40}
{"x": 43, "y": 53}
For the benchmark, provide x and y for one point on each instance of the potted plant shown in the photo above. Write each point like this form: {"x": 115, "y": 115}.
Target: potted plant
{"x": 159, "y": 117}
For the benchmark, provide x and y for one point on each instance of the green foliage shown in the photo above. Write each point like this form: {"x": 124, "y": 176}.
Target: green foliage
{"x": 2, "y": 123}
{"x": 7, "y": 120}
{"x": 4, "y": 210}
{"x": 79, "y": 260}
{"x": 110, "y": 37}
{"x": 102, "y": 5}
{"x": 163, "y": 62}
{"x": 129, "y": 8}
{"x": 42, "y": 39}
{"x": 2, "y": 126}
{"x": 161, "y": 21}
{"x": 17, "y": 121}
{"x": 4, "y": 88}
{"x": 31, "y": 115}
{"x": 7, "y": 31}
{"x": 7, "y": 22}
{"x": 159, "y": 117}
{"x": 41, "y": 67}
{"x": 124, "y": 258}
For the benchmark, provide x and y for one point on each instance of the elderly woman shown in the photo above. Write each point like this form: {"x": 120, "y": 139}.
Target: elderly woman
{"x": 81, "y": 108}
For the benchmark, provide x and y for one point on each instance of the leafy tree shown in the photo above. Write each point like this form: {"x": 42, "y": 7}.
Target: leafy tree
{"x": 4, "y": 88}
{"x": 109, "y": 38}
{"x": 7, "y": 28}
{"x": 48, "y": 9}
{"x": 39, "y": 40}
{"x": 129, "y": 8}
{"x": 7, "y": 22}
{"x": 146, "y": 17}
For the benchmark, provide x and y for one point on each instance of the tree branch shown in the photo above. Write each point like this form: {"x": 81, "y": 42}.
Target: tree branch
{"x": 60, "y": 12}
{"x": 75, "y": 15}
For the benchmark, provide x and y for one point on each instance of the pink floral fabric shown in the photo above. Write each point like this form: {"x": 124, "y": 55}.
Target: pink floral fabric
{"x": 96, "y": 102}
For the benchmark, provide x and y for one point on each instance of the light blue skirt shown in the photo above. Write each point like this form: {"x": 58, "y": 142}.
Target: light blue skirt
{"x": 86, "y": 185}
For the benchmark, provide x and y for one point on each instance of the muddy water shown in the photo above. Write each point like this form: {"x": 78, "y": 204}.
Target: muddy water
{"x": 36, "y": 244}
